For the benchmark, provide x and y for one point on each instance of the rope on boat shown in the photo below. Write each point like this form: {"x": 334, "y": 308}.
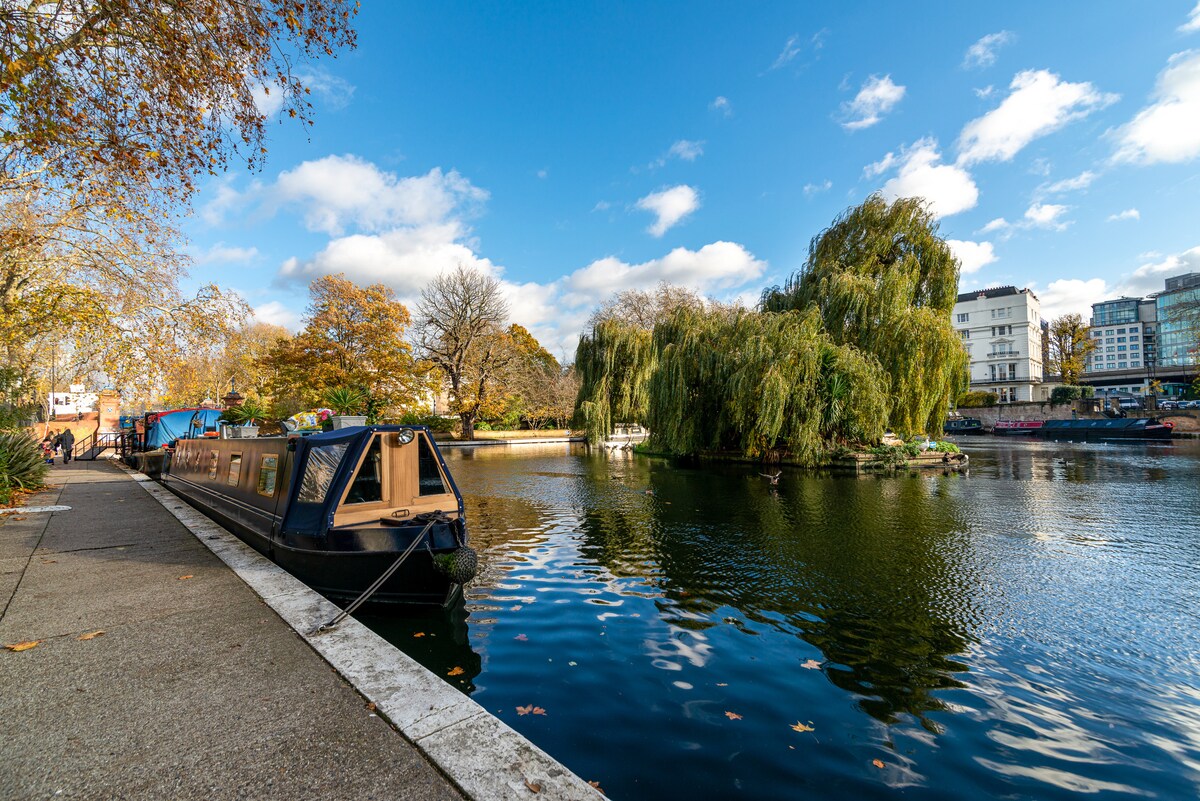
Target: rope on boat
{"x": 434, "y": 517}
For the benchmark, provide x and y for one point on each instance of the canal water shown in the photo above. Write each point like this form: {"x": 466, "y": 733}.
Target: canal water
{"x": 1027, "y": 630}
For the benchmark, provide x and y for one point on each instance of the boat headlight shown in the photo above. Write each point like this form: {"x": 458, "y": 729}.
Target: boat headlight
{"x": 405, "y": 436}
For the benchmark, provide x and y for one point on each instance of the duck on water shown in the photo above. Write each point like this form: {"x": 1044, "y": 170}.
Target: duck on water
{"x": 337, "y": 509}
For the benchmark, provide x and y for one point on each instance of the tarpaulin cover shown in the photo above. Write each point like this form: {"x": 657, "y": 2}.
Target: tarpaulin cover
{"x": 173, "y": 425}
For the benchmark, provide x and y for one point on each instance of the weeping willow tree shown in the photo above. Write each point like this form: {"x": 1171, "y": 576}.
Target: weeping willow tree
{"x": 614, "y": 365}
{"x": 883, "y": 281}
{"x": 732, "y": 379}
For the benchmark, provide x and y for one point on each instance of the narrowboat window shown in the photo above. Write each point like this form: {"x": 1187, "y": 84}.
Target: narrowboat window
{"x": 268, "y": 471}
{"x": 322, "y": 463}
{"x": 235, "y": 469}
{"x": 429, "y": 476}
{"x": 213, "y": 458}
{"x": 368, "y": 483}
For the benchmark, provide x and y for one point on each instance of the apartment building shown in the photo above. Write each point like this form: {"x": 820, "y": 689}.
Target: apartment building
{"x": 1002, "y": 332}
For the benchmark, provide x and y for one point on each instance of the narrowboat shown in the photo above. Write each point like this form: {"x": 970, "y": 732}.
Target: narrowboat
{"x": 1108, "y": 429}
{"x": 337, "y": 509}
{"x": 1009, "y": 428}
{"x": 963, "y": 425}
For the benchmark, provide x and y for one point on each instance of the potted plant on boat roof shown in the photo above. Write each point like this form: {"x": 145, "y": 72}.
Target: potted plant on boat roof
{"x": 348, "y": 404}
{"x": 244, "y": 418}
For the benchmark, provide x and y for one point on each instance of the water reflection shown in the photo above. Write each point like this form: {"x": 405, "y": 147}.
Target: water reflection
{"x": 1002, "y": 633}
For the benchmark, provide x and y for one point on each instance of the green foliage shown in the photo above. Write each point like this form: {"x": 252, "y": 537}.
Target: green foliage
{"x": 615, "y": 364}
{"x": 346, "y": 400}
{"x": 976, "y": 400}
{"x": 16, "y": 406}
{"x": 1061, "y": 395}
{"x": 884, "y": 282}
{"x": 946, "y": 447}
{"x": 22, "y": 465}
{"x": 246, "y": 413}
{"x": 754, "y": 382}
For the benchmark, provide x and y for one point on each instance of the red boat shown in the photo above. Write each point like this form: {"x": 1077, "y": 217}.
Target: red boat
{"x": 1009, "y": 428}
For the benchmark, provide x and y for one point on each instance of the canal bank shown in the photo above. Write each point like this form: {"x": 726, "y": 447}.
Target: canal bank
{"x": 202, "y": 686}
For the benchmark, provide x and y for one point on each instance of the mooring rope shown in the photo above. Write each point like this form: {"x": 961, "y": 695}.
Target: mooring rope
{"x": 387, "y": 574}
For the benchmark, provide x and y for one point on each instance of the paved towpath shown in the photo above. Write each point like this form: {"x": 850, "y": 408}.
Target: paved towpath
{"x": 196, "y": 689}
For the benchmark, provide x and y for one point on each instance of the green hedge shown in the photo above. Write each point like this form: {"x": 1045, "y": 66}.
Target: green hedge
{"x": 1061, "y": 395}
{"x": 975, "y": 400}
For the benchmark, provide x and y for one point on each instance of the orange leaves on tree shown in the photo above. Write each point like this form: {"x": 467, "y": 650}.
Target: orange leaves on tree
{"x": 733, "y": 716}
{"x": 456, "y": 671}
{"x": 530, "y": 710}
{"x": 24, "y": 646}
{"x": 91, "y": 635}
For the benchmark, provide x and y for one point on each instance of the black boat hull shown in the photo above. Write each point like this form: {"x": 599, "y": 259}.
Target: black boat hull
{"x": 1118, "y": 430}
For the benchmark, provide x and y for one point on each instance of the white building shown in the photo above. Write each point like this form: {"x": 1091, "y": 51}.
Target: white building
{"x": 1001, "y": 330}
{"x": 64, "y": 405}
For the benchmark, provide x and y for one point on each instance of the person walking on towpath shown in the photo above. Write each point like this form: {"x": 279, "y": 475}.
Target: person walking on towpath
{"x": 68, "y": 445}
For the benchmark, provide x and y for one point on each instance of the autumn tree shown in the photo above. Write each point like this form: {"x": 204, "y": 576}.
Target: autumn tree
{"x": 643, "y": 309}
{"x": 1070, "y": 344}
{"x": 353, "y": 337}
{"x": 109, "y": 110}
{"x": 533, "y": 381}
{"x": 239, "y": 361}
{"x": 461, "y": 332}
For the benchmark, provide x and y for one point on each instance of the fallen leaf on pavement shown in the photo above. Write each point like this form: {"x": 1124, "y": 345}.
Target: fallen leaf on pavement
{"x": 537, "y": 788}
{"x": 49, "y": 561}
{"x": 17, "y": 517}
{"x": 24, "y": 646}
{"x": 185, "y": 578}
{"x": 801, "y": 727}
{"x": 812, "y": 664}
{"x": 91, "y": 635}
{"x": 877, "y": 763}
{"x": 457, "y": 671}
{"x": 371, "y": 707}
{"x": 733, "y": 716}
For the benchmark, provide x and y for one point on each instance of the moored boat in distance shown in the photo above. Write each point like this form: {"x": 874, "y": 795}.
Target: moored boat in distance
{"x": 963, "y": 425}
{"x": 337, "y": 509}
{"x": 1008, "y": 428}
{"x": 1106, "y": 429}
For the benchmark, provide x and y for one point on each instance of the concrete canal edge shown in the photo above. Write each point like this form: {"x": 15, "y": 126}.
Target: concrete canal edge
{"x": 483, "y": 756}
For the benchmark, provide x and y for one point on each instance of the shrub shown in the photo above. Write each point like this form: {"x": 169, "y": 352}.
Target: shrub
{"x": 21, "y": 464}
{"x": 1060, "y": 395}
{"x": 946, "y": 447}
{"x": 975, "y": 400}
{"x": 433, "y": 421}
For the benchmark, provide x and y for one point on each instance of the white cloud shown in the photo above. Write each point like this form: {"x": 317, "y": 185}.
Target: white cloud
{"x": 877, "y": 97}
{"x": 335, "y": 92}
{"x": 1073, "y": 296}
{"x": 1166, "y": 130}
{"x": 880, "y": 167}
{"x": 1128, "y": 214}
{"x": 268, "y": 99}
{"x": 1193, "y": 22}
{"x": 404, "y": 258}
{"x": 1046, "y": 215}
{"x": 276, "y": 313}
{"x": 722, "y": 106}
{"x": 1039, "y": 104}
{"x": 222, "y": 253}
{"x": 949, "y": 189}
{"x": 337, "y": 192}
{"x": 543, "y": 173}
{"x": 983, "y": 53}
{"x": 1081, "y": 181}
{"x": 716, "y": 266}
{"x": 1149, "y": 277}
{"x": 686, "y": 149}
{"x": 790, "y": 50}
{"x": 998, "y": 224}
{"x": 985, "y": 92}
{"x": 815, "y": 189}
{"x": 226, "y": 199}
{"x": 972, "y": 255}
{"x": 670, "y": 206}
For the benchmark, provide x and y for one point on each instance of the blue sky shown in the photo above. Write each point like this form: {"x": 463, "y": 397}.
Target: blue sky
{"x": 577, "y": 149}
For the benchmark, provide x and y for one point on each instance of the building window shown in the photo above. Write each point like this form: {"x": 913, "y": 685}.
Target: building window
{"x": 1135, "y": 347}
{"x": 1133, "y": 338}
{"x": 964, "y": 333}
{"x": 1121, "y": 365}
{"x": 1135, "y": 364}
{"x": 1120, "y": 348}
{"x": 1109, "y": 341}
{"x": 1120, "y": 330}
{"x": 1000, "y": 314}
{"x": 1120, "y": 339}
{"x": 964, "y": 317}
